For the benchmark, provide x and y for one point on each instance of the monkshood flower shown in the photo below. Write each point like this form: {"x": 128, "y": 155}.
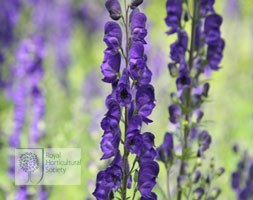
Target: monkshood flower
{"x": 193, "y": 56}
{"x": 242, "y": 177}
{"x": 26, "y": 95}
{"x": 9, "y": 15}
{"x": 129, "y": 106}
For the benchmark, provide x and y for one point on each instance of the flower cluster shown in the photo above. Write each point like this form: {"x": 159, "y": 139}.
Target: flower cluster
{"x": 130, "y": 102}
{"x": 192, "y": 57}
{"x": 9, "y": 14}
{"x": 242, "y": 177}
{"x": 26, "y": 93}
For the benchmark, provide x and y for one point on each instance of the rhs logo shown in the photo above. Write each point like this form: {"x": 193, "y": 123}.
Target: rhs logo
{"x": 29, "y": 163}
{"x": 47, "y": 166}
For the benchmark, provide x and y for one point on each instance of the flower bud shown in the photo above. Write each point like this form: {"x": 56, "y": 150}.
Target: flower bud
{"x": 114, "y": 8}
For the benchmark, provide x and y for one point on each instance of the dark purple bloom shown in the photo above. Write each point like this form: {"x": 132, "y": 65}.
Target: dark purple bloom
{"x": 151, "y": 196}
{"x": 198, "y": 193}
{"x": 123, "y": 94}
{"x": 134, "y": 142}
{"x": 204, "y": 140}
{"x": 174, "y": 10}
{"x": 214, "y": 54}
{"x": 110, "y": 67}
{"x": 236, "y": 180}
{"x": 113, "y": 37}
{"x": 179, "y": 48}
{"x": 206, "y": 6}
{"x": 212, "y": 28}
{"x": 114, "y": 8}
{"x": 175, "y": 113}
{"x": 165, "y": 151}
{"x": 138, "y": 23}
{"x": 145, "y": 101}
{"x": 147, "y": 177}
{"x": 136, "y": 3}
{"x": 107, "y": 180}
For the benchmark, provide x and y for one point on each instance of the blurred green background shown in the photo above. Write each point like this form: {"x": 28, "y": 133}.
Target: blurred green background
{"x": 73, "y": 114}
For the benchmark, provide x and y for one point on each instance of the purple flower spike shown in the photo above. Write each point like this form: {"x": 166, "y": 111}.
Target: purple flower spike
{"x": 114, "y": 8}
{"x": 130, "y": 103}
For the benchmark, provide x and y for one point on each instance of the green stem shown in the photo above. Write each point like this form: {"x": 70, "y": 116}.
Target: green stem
{"x": 126, "y": 152}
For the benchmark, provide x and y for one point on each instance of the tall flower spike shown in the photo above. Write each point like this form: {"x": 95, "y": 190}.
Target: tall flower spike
{"x": 28, "y": 74}
{"x": 130, "y": 103}
{"x": 192, "y": 57}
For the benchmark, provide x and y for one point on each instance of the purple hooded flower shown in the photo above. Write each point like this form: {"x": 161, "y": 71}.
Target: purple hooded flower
{"x": 206, "y": 6}
{"x": 165, "y": 151}
{"x": 113, "y": 37}
{"x": 175, "y": 113}
{"x": 236, "y": 180}
{"x": 147, "y": 177}
{"x": 145, "y": 101}
{"x": 212, "y": 28}
{"x": 110, "y": 67}
{"x": 135, "y": 3}
{"x": 114, "y": 8}
{"x": 137, "y": 24}
{"x": 198, "y": 193}
{"x": 108, "y": 180}
{"x": 215, "y": 54}
{"x": 134, "y": 142}
{"x": 174, "y": 10}
{"x": 179, "y": 48}
{"x": 204, "y": 140}
{"x": 123, "y": 94}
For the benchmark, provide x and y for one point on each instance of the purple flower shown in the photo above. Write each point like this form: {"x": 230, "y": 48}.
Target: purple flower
{"x": 165, "y": 151}
{"x": 199, "y": 192}
{"x": 138, "y": 23}
{"x": 123, "y": 94}
{"x": 151, "y": 196}
{"x": 206, "y": 6}
{"x": 136, "y": 3}
{"x": 212, "y": 28}
{"x": 22, "y": 193}
{"x": 134, "y": 142}
{"x": 114, "y": 8}
{"x": 113, "y": 37}
{"x": 110, "y": 67}
{"x": 175, "y": 113}
{"x": 147, "y": 177}
{"x": 204, "y": 140}
{"x": 108, "y": 180}
{"x": 145, "y": 101}
{"x": 236, "y": 180}
{"x": 214, "y": 54}
{"x": 179, "y": 48}
{"x": 174, "y": 10}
